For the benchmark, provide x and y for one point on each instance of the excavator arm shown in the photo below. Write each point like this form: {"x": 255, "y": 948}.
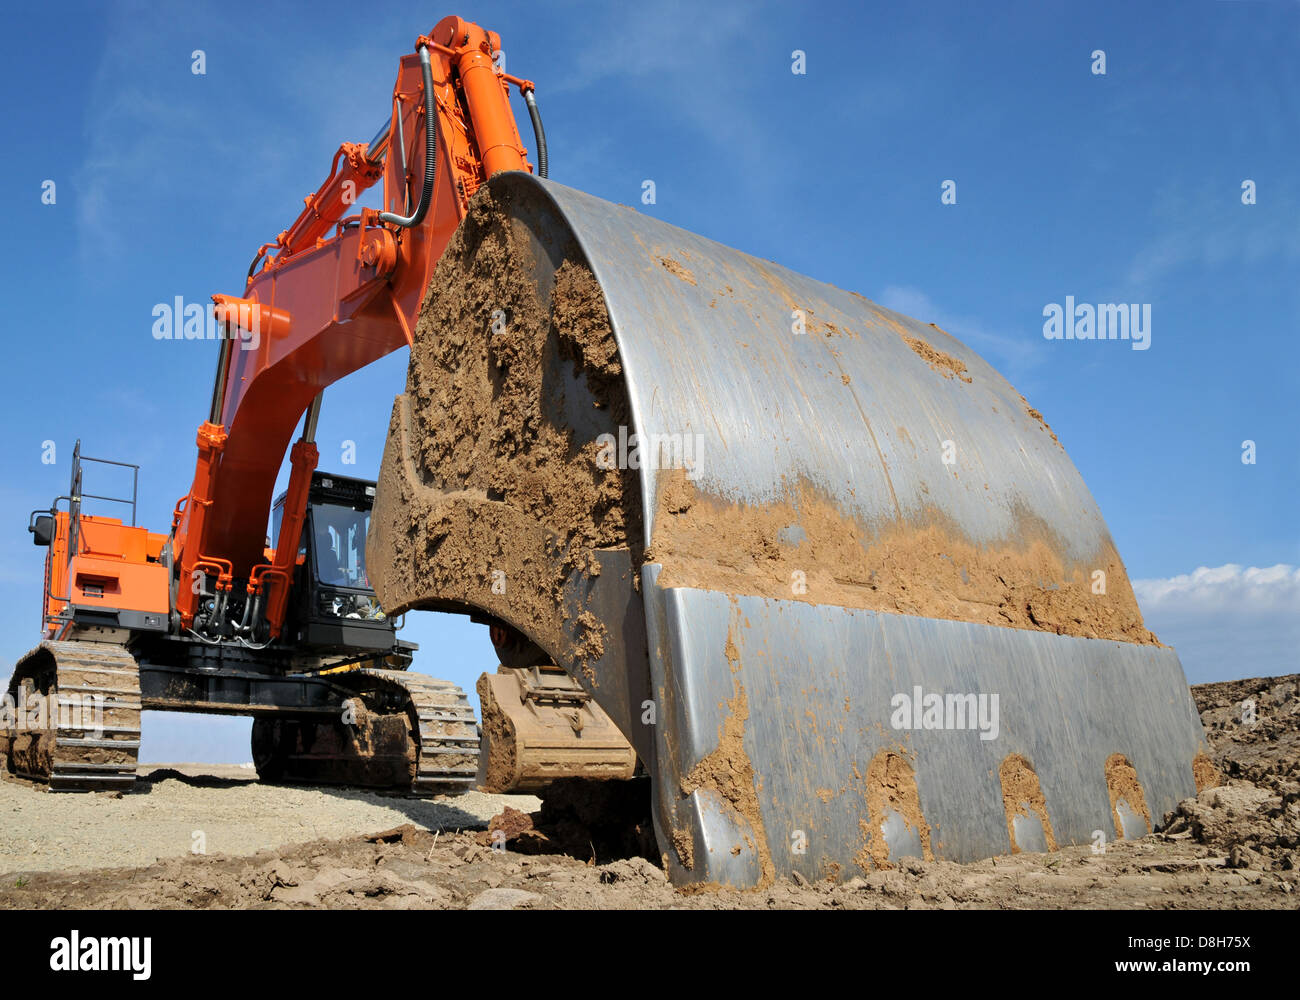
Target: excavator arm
{"x": 335, "y": 291}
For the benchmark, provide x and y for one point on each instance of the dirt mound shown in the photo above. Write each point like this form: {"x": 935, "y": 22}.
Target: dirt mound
{"x": 452, "y": 871}
{"x": 1253, "y": 815}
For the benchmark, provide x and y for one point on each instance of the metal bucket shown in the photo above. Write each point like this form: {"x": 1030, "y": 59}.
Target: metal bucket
{"x": 800, "y": 732}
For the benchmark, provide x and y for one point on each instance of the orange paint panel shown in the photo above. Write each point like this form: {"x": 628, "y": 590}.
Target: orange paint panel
{"x": 119, "y": 585}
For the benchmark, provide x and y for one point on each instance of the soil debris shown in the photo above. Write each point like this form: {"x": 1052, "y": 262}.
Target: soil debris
{"x": 1122, "y": 782}
{"x": 1035, "y": 415}
{"x": 493, "y": 493}
{"x": 945, "y": 364}
{"x": 672, "y": 267}
{"x": 1021, "y": 795}
{"x": 890, "y": 787}
{"x": 1253, "y": 806}
{"x": 923, "y": 567}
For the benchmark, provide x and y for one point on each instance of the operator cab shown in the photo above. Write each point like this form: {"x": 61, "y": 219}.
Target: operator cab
{"x": 335, "y": 608}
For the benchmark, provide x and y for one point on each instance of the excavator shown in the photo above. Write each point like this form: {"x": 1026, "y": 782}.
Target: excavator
{"x": 811, "y": 569}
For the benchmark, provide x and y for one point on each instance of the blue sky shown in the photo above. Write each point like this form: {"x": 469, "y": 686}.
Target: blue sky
{"x": 1123, "y": 187}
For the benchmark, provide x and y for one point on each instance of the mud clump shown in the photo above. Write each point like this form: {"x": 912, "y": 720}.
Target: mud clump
{"x": 407, "y": 833}
{"x": 924, "y": 567}
{"x": 673, "y": 267}
{"x": 1021, "y": 795}
{"x": 1122, "y": 783}
{"x": 728, "y": 772}
{"x": 685, "y": 848}
{"x": 1036, "y": 416}
{"x": 890, "y": 788}
{"x": 1205, "y": 773}
{"x": 945, "y": 364}
{"x": 514, "y": 830}
{"x": 941, "y": 361}
{"x": 492, "y": 496}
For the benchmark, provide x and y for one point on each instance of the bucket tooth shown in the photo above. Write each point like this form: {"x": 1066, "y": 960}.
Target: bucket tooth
{"x": 1029, "y": 828}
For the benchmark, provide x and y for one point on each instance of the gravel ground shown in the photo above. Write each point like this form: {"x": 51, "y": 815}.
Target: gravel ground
{"x": 174, "y": 805}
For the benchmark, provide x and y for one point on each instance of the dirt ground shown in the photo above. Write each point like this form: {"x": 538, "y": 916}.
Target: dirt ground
{"x": 1234, "y": 846}
{"x": 220, "y": 808}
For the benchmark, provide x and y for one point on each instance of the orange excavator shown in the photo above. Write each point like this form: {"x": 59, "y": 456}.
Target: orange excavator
{"x": 809, "y": 570}
{"x": 209, "y": 617}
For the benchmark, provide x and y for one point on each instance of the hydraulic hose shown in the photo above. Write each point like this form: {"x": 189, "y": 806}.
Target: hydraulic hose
{"x": 539, "y": 133}
{"x": 430, "y": 150}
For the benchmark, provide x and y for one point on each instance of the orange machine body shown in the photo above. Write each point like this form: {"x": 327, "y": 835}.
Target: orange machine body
{"x": 116, "y": 567}
{"x": 335, "y": 293}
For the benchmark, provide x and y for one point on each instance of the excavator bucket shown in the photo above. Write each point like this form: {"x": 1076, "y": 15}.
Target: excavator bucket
{"x": 832, "y": 577}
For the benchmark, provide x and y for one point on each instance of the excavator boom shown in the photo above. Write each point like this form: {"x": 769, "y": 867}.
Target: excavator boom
{"x": 335, "y": 292}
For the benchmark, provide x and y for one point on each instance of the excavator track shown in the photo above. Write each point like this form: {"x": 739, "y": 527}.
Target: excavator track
{"x": 404, "y": 731}
{"x": 74, "y": 719}
{"x": 448, "y": 734}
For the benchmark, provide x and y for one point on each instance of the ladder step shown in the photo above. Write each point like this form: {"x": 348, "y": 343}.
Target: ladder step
{"x": 66, "y": 767}
{"x": 102, "y": 744}
{"x": 81, "y": 689}
{"x": 82, "y": 668}
{"x": 58, "y": 783}
{"x": 430, "y": 782}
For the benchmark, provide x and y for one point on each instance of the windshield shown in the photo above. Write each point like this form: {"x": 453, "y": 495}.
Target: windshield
{"x": 340, "y": 537}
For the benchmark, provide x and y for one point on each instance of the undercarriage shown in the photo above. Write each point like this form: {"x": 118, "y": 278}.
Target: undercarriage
{"x": 73, "y": 720}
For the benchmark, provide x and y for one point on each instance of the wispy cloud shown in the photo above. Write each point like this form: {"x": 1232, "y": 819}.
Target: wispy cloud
{"x": 1212, "y": 228}
{"x": 159, "y": 138}
{"x": 631, "y": 43}
{"x": 1013, "y": 357}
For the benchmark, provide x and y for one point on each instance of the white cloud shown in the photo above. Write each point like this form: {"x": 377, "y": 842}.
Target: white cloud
{"x": 1253, "y": 587}
{"x": 1229, "y": 621}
